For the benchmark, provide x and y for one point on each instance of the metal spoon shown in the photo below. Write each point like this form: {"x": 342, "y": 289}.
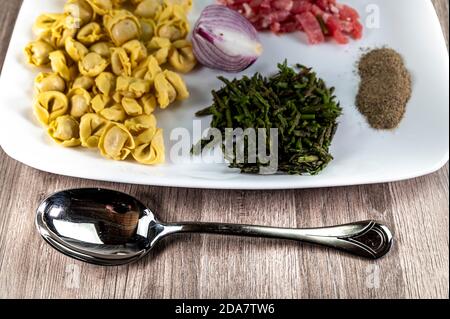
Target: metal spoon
{"x": 110, "y": 228}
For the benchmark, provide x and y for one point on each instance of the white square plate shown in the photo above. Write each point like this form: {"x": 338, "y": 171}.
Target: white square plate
{"x": 362, "y": 155}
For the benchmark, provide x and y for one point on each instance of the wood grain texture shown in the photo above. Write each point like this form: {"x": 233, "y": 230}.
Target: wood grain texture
{"x": 204, "y": 266}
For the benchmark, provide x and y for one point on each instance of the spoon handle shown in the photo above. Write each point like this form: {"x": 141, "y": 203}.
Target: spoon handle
{"x": 367, "y": 239}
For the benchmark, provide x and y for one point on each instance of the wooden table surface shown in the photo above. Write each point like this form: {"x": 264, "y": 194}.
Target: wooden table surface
{"x": 206, "y": 266}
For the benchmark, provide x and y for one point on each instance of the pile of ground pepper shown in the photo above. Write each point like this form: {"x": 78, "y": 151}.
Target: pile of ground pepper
{"x": 385, "y": 88}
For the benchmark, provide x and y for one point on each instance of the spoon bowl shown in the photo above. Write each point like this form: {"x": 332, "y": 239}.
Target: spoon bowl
{"x": 98, "y": 226}
{"x": 110, "y": 228}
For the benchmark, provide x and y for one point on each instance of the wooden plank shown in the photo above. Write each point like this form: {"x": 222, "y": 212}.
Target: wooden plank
{"x": 206, "y": 266}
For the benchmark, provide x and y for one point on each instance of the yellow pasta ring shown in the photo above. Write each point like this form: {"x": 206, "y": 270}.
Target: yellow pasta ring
{"x": 122, "y": 26}
{"x": 50, "y": 105}
{"x": 136, "y": 52}
{"x": 79, "y": 102}
{"x": 185, "y": 4}
{"x": 65, "y": 131}
{"x": 138, "y": 124}
{"x": 150, "y": 9}
{"x": 182, "y": 57}
{"x": 116, "y": 142}
{"x": 90, "y": 33}
{"x": 178, "y": 84}
{"x": 44, "y": 24}
{"x": 152, "y": 152}
{"x": 120, "y": 62}
{"x": 105, "y": 83}
{"x": 132, "y": 106}
{"x": 101, "y": 7}
{"x": 114, "y": 113}
{"x": 76, "y": 50}
{"x": 59, "y": 65}
{"x": 37, "y": 53}
{"x": 79, "y": 12}
{"x": 92, "y": 127}
{"x": 83, "y": 82}
{"x": 92, "y": 64}
{"x": 100, "y": 102}
{"x": 45, "y": 82}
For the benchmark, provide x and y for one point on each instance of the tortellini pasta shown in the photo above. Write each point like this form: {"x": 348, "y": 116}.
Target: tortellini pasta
{"x": 79, "y": 12}
{"x": 182, "y": 57}
{"x": 100, "y": 102}
{"x": 150, "y": 148}
{"x": 159, "y": 48}
{"x": 44, "y": 24}
{"x": 53, "y": 29}
{"x": 83, "y": 82}
{"x": 178, "y": 84}
{"x": 148, "y": 69}
{"x": 114, "y": 113}
{"x": 45, "y": 82}
{"x": 102, "y": 48}
{"x": 79, "y": 102}
{"x": 120, "y": 62}
{"x": 148, "y": 29}
{"x": 110, "y": 65}
{"x": 38, "y": 53}
{"x": 101, "y": 7}
{"x": 122, "y": 26}
{"x": 65, "y": 130}
{"x": 149, "y": 8}
{"x": 132, "y": 87}
{"x": 92, "y": 127}
{"x": 92, "y": 64}
{"x": 186, "y": 4}
{"x": 148, "y": 139}
{"x": 165, "y": 92}
{"x": 116, "y": 142}
{"x": 75, "y": 49}
{"x": 59, "y": 33}
{"x": 169, "y": 87}
{"x": 60, "y": 65}
{"x": 90, "y": 33}
{"x": 117, "y": 4}
{"x": 173, "y": 24}
{"x": 50, "y": 105}
{"x": 148, "y": 103}
{"x": 105, "y": 83}
{"x": 132, "y": 106}
{"x": 139, "y": 124}
{"x": 136, "y": 52}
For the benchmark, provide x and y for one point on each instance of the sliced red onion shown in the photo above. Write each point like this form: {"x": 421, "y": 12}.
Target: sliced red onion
{"x": 223, "y": 39}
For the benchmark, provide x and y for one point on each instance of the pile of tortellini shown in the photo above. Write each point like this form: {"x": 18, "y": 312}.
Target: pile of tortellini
{"x": 113, "y": 62}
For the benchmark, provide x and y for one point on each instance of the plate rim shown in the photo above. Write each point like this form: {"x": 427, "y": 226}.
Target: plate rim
{"x": 295, "y": 183}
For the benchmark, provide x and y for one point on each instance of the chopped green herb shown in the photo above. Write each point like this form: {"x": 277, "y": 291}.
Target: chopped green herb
{"x": 296, "y": 102}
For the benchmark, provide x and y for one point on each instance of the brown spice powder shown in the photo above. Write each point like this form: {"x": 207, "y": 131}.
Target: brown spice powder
{"x": 385, "y": 88}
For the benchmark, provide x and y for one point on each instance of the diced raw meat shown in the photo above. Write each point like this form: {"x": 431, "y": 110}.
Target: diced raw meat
{"x": 318, "y": 18}
{"x": 348, "y": 13}
{"x": 312, "y": 27}
{"x": 301, "y": 6}
{"x": 335, "y": 29}
{"x": 289, "y": 27}
{"x": 284, "y": 5}
{"x": 357, "y": 32}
